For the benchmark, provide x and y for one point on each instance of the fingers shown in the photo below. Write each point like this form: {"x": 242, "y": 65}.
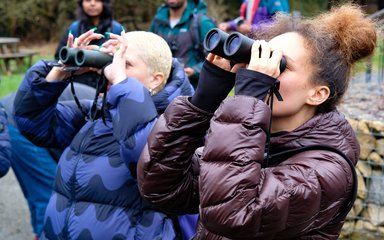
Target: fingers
{"x": 275, "y": 60}
{"x": 70, "y": 39}
{"x": 110, "y": 46}
{"x": 210, "y": 57}
{"x": 238, "y": 66}
{"x": 264, "y": 59}
{"x": 85, "y": 38}
{"x": 265, "y": 50}
{"x": 123, "y": 45}
{"x": 113, "y": 36}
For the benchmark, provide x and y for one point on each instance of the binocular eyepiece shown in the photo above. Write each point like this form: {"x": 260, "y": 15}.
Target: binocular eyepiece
{"x": 84, "y": 58}
{"x": 235, "y": 46}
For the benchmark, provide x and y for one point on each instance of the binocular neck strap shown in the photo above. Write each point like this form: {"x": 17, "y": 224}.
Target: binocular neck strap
{"x": 101, "y": 87}
{"x": 274, "y": 90}
{"x": 75, "y": 96}
{"x": 103, "y": 90}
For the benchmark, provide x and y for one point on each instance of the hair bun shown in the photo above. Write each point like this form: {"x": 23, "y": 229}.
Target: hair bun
{"x": 352, "y": 30}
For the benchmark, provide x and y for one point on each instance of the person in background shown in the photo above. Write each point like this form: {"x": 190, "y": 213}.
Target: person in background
{"x": 5, "y": 144}
{"x": 92, "y": 14}
{"x": 34, "y": 166}
{"x": 95, "y": 192}
{"x": 236, "y": 160}
{"x": 253, "y": 13}
{"x": 184, "y": 24}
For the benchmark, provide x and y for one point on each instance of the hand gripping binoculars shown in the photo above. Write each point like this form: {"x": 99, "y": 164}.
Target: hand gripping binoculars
{"x": 235, "y": 46}
{"x": 84, "y": 58}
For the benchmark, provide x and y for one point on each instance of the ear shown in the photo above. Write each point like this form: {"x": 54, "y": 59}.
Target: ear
{"x": 157, "y": 80}
{"x": 318, "y": 95}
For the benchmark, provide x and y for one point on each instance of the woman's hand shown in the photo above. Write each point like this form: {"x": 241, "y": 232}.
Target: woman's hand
{"x": 115, "y": 72}
{"x": 268, "y": 61}
{"x": 112, "y": 45}
{"x": 81, "y": 42}
{"x": 224, "y": 63}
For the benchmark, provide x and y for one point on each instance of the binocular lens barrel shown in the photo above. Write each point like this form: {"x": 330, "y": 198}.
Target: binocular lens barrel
{"x": 235, "y": 46}
{"x": 232, "y": 45}
{"x": 67, "y": 55}
{"x": 214, "y": 41}
{"x": 238, "y": 47}
{"x": 84, "y": 58}
{"x": 92, "y": 58}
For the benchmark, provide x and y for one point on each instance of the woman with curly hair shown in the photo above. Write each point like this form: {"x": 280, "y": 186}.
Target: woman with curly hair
{"x": 235, "y": 182}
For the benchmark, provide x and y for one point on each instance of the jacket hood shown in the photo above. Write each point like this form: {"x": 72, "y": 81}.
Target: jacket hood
{"x": 330, "y": 129}
{"x": 193, "y": 6}
{"x": 177, "y": 84}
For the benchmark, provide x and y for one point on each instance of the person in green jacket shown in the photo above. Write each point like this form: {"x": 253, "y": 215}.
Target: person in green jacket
{"x": 184, "y": 24}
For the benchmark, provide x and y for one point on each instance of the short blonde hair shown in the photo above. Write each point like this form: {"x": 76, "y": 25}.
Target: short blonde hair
{"x": 153, "y": 50}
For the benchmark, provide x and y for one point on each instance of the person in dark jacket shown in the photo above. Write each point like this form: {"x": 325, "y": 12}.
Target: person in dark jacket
{"x": 184, "y": 24}
{"x": 96, "y": 15}
{"x": 5, "y": 144}
{"x": 254, "y": 13}
{"x": 232, "y": 178}
{"x": 95, "y": 192}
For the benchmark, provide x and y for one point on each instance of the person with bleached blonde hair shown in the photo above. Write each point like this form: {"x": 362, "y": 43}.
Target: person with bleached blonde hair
{"x": 95, "y": 194}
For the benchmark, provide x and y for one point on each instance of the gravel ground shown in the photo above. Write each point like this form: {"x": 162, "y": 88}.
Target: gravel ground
{"x": 14, "y": 213}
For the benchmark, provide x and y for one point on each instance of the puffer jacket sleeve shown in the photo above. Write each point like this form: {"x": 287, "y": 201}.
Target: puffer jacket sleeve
{"x": 168, "y": 165}
{"x": 241, "y": 200}
{"x": 38, "y": 114}
{"x": 230, "y": 170}
{"x": 133, "y": 116}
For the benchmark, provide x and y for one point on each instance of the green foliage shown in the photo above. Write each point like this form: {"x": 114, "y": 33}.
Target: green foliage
{"x": 10, "y": 83}
{"x": 37, "y": 20}
{"x": 308, "y": 7}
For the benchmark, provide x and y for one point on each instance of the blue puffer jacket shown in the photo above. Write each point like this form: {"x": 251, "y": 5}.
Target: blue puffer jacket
{"x": 5, "y": 145}
{"x": 95, "y": 190}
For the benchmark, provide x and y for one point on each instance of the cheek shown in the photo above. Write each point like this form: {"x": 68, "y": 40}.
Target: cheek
{"x": 136, "y": 74}
{"x": 293, "y": 94}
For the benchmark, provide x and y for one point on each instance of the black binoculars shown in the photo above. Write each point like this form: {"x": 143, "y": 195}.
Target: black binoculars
{"x": 84, "y": 58}
{"x": 235, "y": 46}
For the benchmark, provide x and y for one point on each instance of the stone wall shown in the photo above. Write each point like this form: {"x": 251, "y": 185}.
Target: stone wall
{"x": 364, "y": 109}
{"x": 366, "y": 219}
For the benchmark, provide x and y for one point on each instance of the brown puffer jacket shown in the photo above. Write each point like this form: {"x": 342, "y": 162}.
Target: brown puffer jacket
{"x": 225, "y": 183}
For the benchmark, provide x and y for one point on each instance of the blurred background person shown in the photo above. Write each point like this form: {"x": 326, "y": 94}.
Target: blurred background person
{"x": 253, "y": 13}
{"x": 184, "y": 24}
{"x": 92, "y": 14}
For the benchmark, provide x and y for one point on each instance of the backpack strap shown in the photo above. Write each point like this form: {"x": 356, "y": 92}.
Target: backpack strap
{"x": 75, "y": 28}
{"x": 195, "y": 30}
{"x": 195, "y": 34}
{"x": 277, "y": 158}
{"x": 116, "y": 27}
